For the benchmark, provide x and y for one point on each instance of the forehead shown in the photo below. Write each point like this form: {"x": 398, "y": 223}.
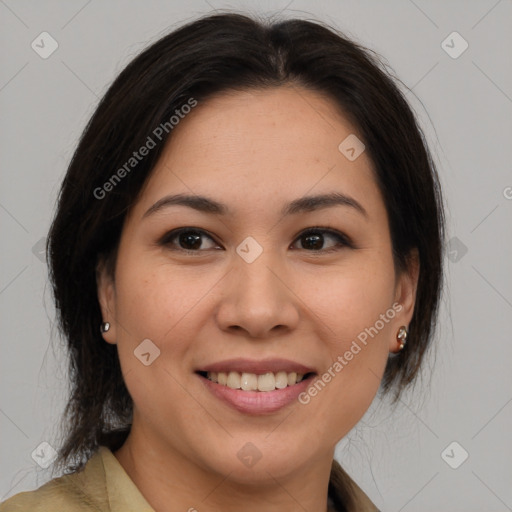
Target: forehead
{"x": 263, "y": 145}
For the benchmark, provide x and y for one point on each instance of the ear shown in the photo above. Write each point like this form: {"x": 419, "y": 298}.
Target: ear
{"x": 107, "y": 299}
{"x": 405, "y": 294}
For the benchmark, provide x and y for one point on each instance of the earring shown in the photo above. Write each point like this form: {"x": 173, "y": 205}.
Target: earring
{"x": 401, "y": 336}
{"x": 104, "y": 327}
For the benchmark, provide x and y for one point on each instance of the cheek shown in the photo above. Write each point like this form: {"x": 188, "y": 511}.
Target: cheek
{"x": 357, "y": 314}
{"x": 153, "y": 304}
{"x": 154, "y": 299}
{"x": 159, "y": 302}
{"x": 365, "y": 322}
{"x": 353, "y": 297}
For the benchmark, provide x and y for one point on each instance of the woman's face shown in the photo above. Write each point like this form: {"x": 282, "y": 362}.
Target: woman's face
{"x": 249, "y": 287}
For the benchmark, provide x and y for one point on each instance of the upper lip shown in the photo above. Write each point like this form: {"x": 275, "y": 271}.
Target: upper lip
{"x": 258, "y": 367}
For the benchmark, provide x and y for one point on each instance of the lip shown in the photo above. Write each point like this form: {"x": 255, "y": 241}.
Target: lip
{"x": 257, "y": 367}
{"x": 257, "y": 402}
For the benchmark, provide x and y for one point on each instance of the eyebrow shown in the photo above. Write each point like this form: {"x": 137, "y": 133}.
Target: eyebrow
{"x": 301, "y": 205}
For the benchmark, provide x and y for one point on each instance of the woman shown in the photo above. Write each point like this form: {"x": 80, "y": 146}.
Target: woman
{"x": 247, "y": 246}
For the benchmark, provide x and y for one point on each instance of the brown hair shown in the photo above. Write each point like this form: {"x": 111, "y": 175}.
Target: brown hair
{"x": 217, "y": 53}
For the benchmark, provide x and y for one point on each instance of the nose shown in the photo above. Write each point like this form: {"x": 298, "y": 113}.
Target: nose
{"x": 258, "y": 299}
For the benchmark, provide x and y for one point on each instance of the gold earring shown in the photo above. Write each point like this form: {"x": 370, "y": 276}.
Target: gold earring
{"x": 401, "y": 336}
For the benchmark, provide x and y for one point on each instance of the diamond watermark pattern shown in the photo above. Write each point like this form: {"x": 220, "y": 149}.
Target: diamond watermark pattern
{"x": 146, "y": 352}
{"x": 44, "y": 45}
{"x": 249, "y": 455}
{"x": 39, "y": 249}
{"x": 351, "y": 147}
{"x": 454, "y": 45}
{"x": 454, "y": 455}
{"x": 249, "y": 249}
{"x": 44, "y": 454}
{"x": 456, "y": 250}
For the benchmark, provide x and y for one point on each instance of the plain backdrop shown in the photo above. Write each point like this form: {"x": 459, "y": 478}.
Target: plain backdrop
{"x": 404, "y": 459}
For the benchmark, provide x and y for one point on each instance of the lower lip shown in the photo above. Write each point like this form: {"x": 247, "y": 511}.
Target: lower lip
{"x": 257, "y": 402}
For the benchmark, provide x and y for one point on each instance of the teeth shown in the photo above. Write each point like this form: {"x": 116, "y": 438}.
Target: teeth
{"x": 234, "y": 380}
{"x": 281, "y": 380}
{"x": 266, "y": 382}
{"x": 251, "y": 382}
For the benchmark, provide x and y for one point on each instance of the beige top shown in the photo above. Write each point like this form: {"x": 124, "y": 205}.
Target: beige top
{"x": 102, "y": 486}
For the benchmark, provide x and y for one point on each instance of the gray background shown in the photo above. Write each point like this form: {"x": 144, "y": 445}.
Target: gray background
{"x": 464, "y": 105}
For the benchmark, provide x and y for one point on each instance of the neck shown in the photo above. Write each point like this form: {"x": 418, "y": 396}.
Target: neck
{"x": 172, "y": 482}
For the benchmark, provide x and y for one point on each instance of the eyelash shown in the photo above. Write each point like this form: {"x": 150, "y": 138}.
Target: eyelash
{"x": 342, "y": 239}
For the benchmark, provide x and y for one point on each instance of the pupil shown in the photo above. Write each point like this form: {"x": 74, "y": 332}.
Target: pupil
{"x": 191, "y": 240}
{"x": 317, "y": 241}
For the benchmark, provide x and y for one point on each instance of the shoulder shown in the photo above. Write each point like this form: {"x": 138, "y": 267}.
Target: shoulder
{"x": 345, "y": 494}
{"x": 82, "y": 491}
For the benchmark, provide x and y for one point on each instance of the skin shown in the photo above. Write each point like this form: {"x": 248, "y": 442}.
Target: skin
{"x": 255, "y": 152}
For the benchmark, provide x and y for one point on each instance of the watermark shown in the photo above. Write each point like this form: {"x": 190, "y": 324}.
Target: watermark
{"x": 44, "y": 454}
{"x": 44, "y": 45}
{"x": 351, "y": 147}
{"x": 456, "y": 249}
{"x": 454, "y": 45}
{"x": 454, "y": 455}
{"x": 249, "y": 249}
{"x": 146, "y": 352}
{"x": 143, "y": 151}
{"x": 249, "y": 455}
{"x": 39, "y": 249}
{"x": 343, "y": 360}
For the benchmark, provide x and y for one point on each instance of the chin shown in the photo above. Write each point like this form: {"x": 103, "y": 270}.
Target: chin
{"x": 260, "y": 462}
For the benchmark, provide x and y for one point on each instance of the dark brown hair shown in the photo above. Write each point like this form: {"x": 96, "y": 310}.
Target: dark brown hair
{"x": 213, "y": 54}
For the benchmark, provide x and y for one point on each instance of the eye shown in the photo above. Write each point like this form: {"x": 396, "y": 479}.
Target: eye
{"x": 191, "y": 240}
{"x": 313, "y": 239}
{"x": 187, "y": 239}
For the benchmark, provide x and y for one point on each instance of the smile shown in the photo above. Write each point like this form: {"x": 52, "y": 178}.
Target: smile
{"x": 256, "y": 402}
{"x": 245, "y": 381}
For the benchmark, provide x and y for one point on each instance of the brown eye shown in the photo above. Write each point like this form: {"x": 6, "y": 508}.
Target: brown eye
{"x": 189, "y": 240}
{"x": 313, "y": 240}
{"x": 186, "y": 239}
